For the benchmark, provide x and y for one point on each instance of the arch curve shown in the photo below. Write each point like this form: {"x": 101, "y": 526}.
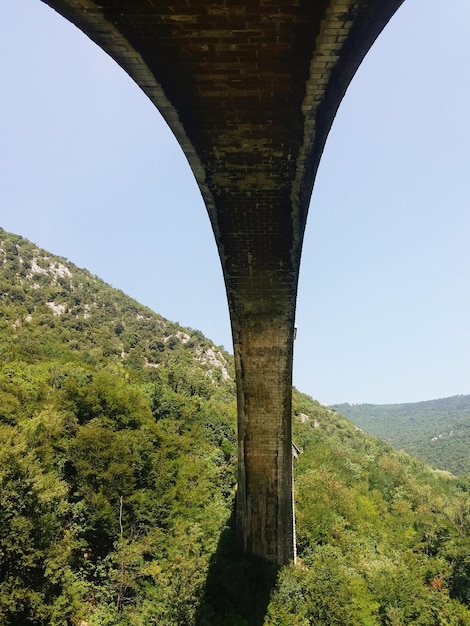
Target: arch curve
{"x": 250, "y": 92}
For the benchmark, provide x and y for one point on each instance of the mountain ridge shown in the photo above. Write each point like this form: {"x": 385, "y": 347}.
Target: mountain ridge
{"x": 437, "y": 431}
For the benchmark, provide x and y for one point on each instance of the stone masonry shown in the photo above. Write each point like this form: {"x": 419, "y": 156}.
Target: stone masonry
{"x": 250, "y": 90}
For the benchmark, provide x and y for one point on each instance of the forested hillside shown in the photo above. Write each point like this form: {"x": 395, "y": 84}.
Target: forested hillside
{"x": 118, "y": 470}
{"x": 436, "y": 431}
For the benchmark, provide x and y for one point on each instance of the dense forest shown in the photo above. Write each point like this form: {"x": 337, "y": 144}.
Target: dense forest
{"x": 436, "y": 431}
{"x": 118, "y": 476}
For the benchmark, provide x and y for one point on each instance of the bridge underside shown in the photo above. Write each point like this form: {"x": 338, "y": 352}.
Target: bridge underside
{"x": 250, "y": 90}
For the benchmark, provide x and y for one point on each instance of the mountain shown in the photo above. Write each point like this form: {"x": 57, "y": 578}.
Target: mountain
{"x": 118, "y": 472}
{"x": 436, "y": 431}
{"x": 76, "y": 313}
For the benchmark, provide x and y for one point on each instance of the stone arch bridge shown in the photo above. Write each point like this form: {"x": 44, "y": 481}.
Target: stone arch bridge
{"x": 250, "y": 90}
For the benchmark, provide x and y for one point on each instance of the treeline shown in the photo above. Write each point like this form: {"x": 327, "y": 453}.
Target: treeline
{"x": 118, "y": 471}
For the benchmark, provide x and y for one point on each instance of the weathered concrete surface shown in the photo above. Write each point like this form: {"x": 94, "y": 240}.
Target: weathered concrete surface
{"x": 250, "y": 90}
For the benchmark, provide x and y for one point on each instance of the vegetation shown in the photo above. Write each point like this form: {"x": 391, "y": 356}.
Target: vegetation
{"x": 117, "y": 481}
{"x": 436, "y": 431}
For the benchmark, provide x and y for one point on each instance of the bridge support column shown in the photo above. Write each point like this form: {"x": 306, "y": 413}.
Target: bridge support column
{"x": 265, "y": 516}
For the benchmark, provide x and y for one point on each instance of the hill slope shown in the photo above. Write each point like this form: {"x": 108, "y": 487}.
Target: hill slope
{"x": 117, "y": 481}
{"x": 60, "y": 309}
{"x": 436, "y": 431}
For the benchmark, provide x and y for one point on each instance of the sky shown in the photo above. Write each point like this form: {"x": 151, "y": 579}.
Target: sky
{"x": 90, "y": 172}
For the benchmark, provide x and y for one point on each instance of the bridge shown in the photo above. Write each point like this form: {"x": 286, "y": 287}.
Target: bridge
{"x": 250, "y": 90}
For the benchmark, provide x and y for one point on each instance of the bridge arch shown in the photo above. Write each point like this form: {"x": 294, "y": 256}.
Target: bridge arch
{"x": 250, "y": 94}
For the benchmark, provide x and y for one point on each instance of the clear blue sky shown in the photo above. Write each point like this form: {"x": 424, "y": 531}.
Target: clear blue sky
{"x": 89, "y": 171}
